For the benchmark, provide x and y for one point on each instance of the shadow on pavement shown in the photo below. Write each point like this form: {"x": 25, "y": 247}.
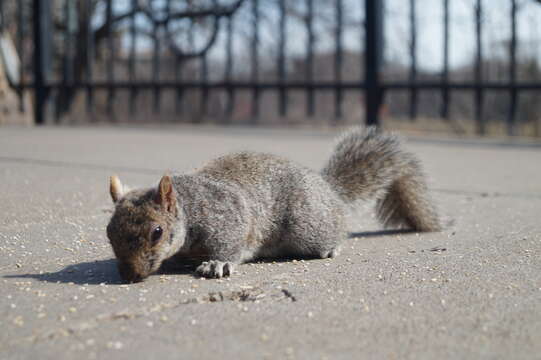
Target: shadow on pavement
{"x": 91, "y": 273}
{"x": 95, "y": 273}
{"x": 105, "y": 271}
{"x": 366, "y": 234}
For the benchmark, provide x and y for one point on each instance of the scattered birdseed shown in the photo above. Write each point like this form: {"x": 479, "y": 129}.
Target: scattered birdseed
{"x": 18, "y": 321}
{"x": 116, "y": 345}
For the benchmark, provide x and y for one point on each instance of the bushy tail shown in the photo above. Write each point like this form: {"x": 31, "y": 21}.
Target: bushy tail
{"x": 367, "y": 164}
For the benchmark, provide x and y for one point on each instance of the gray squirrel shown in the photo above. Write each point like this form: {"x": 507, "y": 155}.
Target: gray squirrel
{"x": 251, "y": 205}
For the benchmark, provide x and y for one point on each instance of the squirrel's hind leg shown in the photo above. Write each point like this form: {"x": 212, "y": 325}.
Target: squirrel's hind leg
{"x": 317, "y": 235}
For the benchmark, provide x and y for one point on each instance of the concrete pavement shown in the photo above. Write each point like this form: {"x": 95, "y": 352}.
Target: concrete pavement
{"x": 471, "y": 291}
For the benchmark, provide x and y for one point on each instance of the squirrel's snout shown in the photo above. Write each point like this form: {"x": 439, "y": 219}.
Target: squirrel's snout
{"x": 128, "y": 273}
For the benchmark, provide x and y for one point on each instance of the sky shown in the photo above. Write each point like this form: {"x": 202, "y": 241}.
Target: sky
{"x": 496, "y": 25}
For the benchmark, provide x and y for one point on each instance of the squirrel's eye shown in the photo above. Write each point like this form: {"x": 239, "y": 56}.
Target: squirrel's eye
{"x": 157, "y": 233}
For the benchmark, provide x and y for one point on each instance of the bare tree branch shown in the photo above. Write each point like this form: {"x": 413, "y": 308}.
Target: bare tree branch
{"x": 216, "y": 11}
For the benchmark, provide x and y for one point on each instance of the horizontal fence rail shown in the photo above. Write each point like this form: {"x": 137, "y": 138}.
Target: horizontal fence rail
{"x": 95, "y": 47}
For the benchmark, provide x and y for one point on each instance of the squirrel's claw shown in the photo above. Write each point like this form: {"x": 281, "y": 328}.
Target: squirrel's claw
{"x": 215, "y": 269}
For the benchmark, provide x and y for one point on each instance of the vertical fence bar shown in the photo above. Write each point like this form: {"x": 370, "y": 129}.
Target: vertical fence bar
{"x": 373, "y": 57}
{"x": 132, "y": 59}
{"x": 2, "y": 17}
{"x": 413, "y": 57}
{"x": 282, "y": 60}
{"x": 203, "y": 73}
{"x": 111, "y": 57}
{"x": 69, "y": 51}
{"x": 20, "y": 47}
{"x": 309, "y": 70}
{"x": 255, "y": 60}
{"x": 179, "y": 75}
{"x": 230, "y": 102}
{"x": 41, "y": 11}
{"x": 89, "y": 56}
{"x": 156, "y": 69}
{"x": 178, "y": 64}
{"x": 63, "y": 98}
{"x": 445, "y": 73}
{"x": 338, "y": 95}
{"x": 205, "y": 90}
{"x": 511, "y": 126}
{"x": 479, "y": 118}
{"x": 191, "y": 43}
{"x": 179, "y": 104}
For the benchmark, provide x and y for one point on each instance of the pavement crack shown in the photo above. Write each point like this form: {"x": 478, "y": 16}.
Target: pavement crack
{"x": 250, "y": 294}
{"x": 66, "y": 164}
{"x": 240, "y": 295}
{"x": 486, "y": 194}
{"x": 289, "y": 295}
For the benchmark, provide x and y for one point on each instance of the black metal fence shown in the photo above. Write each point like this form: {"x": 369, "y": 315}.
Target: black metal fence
{"x": 185, "y": 31}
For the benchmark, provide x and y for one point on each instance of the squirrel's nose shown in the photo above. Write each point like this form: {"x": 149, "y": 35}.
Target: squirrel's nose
{"x": 128, "y": 273}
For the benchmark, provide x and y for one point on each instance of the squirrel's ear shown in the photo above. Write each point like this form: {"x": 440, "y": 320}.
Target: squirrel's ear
{"x": 166, "y": 195}
{"x": 115, "y": 188}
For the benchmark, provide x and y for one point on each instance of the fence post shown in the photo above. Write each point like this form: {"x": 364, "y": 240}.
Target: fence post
{"x": 373, "y": 54}
{"x": 41, "y": 18}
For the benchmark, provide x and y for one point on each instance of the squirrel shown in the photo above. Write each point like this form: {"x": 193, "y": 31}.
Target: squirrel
{"x": 249, "y": 205}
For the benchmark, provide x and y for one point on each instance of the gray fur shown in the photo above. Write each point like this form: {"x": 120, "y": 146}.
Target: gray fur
{"x": 367, "y": 164}
{"x": 249, "y": 205}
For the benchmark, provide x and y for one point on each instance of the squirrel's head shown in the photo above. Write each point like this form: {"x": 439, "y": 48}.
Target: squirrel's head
{"x": 142, "y": 228}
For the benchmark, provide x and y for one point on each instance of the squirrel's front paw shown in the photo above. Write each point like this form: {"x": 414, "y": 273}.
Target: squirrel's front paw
{"x": 215, "y": 269}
